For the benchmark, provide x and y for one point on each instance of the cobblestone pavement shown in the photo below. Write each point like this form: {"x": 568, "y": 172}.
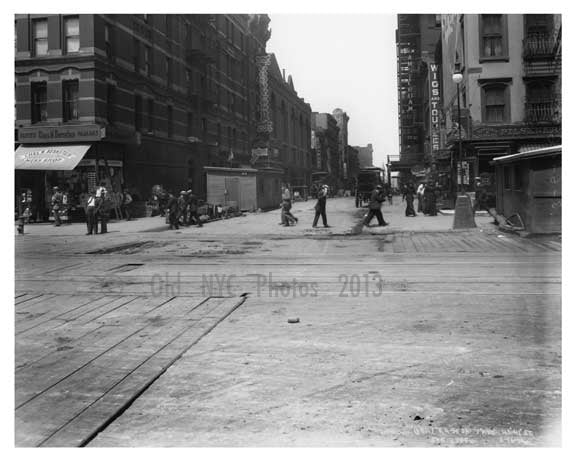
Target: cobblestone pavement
{"x": 420, "y": 336}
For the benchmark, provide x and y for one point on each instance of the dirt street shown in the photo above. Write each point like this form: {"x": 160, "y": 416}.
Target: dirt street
{"x": 247, "y": 333}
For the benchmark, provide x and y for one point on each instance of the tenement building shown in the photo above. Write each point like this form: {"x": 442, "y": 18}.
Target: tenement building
{"x": 510, "y": 89}
{"x": 133, "y": 100}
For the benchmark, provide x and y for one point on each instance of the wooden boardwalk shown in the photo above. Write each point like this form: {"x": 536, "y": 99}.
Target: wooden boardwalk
{"x": 82, "y": 359}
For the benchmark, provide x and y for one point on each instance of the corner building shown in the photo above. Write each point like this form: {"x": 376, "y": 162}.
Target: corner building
{"x": 134, "y": 100}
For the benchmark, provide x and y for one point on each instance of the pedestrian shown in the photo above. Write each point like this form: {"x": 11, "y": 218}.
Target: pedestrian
{"x": 376, "y": 199}
{"x": 126, "y": 207}
{"x": 182, "y": 208}
{"x": 430, "y": 200}
{"x": 286, "y": 216}
{"x": 409, "y": 193}
{"x": 193, "y": 209}
{"x": 420, "y": 196}
{"x": 172, "y": 211}
{"x": 103, "y": 204}
{"x": 91, "y": 215}
{"x": 56, "y": 205}
{"x": 320, "y": 206}
{"x": 389, "y": 194}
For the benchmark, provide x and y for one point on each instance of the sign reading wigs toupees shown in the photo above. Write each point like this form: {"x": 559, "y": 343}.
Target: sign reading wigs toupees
{"x": 435, "y": 104}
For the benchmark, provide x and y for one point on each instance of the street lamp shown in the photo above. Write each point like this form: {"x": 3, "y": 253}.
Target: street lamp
{"x": 457, "y": 79}
{"x": 463, "y": 213}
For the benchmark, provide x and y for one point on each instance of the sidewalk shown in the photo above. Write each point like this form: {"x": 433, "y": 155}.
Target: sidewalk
{"x": 343, "y": 217}
{"x": 398, "y": 221}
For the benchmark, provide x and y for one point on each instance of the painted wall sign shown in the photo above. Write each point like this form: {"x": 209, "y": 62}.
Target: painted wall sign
{"x": 53, "y": 134}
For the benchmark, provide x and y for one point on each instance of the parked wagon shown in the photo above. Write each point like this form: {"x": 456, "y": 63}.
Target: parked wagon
{"x": 366, "y": 181}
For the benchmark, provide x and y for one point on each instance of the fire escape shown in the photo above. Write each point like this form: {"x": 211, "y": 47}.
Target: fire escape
{"x": 542, "y": 56}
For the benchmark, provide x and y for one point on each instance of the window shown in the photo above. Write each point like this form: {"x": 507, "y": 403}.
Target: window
{"x": 168, "y": 69}
{"x": 137, "y": 112}
{"x": 190, "y": 124}
{"x": 107, "y": 41}
{"x": 40, "y": 35}
{"x": 495, "y": 104}
{"x": 136, "y": 53}
{"x": 147, "y": 56}
{"x": 110, "y": 94}
{"x": 493, "y": 36}
{"x": 150, "y": 115}
{"x": 170, "y": 129}
{"x": 72, "y": 34}
{"x": 204, "y": 128}
{"x": 518, "y": 183}
{"x": 39, "y": 102}
{"x": 508, "y": 180}
{"x": 70, "y": 100}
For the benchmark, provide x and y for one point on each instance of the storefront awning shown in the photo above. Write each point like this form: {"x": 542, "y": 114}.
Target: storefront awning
{"x": 61, "y": 157}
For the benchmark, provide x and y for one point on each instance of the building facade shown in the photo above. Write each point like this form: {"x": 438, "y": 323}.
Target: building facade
{"x": 417, "y": 39}
{"x": 283, "y": 125}
{"x": 342, "y": 120}
{"x": 325, "y": 133}
{"x": 152, "y": 98}
{"x": 365, "y": 156}
{"x": 510, "y": 94}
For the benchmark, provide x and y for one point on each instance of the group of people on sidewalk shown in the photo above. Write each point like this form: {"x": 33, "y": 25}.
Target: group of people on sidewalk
{"x": 97, "y": 210}
{"x": 182, "y": 210}
{"x": 426, "y": 195}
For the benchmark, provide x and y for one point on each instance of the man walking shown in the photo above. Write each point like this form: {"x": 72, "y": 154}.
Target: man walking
{"x": 320, "y": 206}
{"x": 376, "y": 200}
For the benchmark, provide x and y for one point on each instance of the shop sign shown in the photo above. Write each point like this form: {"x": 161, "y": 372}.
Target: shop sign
{"x": 435, "y": 103}
{"x": 53, "y": 134}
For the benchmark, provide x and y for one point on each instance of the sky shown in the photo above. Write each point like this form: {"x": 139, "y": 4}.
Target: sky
{"x": 345, "y": 61}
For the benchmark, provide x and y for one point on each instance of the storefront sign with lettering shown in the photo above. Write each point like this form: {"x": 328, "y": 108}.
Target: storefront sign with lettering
{"x": 53, "y": 134}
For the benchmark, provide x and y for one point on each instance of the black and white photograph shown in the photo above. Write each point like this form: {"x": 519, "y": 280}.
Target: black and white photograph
{"x": 329, "y": 226}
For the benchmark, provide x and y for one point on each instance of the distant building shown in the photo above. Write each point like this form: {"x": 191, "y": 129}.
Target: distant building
{"x": 365, "y": 156}
{"x": 325, "y": 146}
{"x": 342, "y": 122}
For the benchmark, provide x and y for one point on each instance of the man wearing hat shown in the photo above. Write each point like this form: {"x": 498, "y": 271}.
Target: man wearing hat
{"x": 376, "y": 200}
{"x": 56, "y": 204}
{"x": 320, "y": 206}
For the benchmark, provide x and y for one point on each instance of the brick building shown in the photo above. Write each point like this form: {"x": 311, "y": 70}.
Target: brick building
{"x": 134, "y": 100}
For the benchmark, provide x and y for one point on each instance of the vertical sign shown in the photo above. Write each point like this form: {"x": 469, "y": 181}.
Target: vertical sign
{"x": 434, "y": 108}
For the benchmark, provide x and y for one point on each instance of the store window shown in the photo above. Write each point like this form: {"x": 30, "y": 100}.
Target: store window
{"x": 495, "y": 104}
{"x": 40, "y": 37}
{"x": 72, "y": 34}
{"x": 493, "y": 40}
{"x": 39, "y": 102}
{"x": 70, "y": 100}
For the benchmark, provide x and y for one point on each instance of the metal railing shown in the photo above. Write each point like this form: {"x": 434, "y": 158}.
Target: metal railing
{"x": 543, "y": 110}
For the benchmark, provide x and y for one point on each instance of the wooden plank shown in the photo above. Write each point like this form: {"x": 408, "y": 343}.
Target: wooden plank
{"x": 101, "y": 412}
{"x": 62, "y": 313}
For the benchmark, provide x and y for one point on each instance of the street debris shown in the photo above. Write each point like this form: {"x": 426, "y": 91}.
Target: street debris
{"x": 294, "y": 320}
